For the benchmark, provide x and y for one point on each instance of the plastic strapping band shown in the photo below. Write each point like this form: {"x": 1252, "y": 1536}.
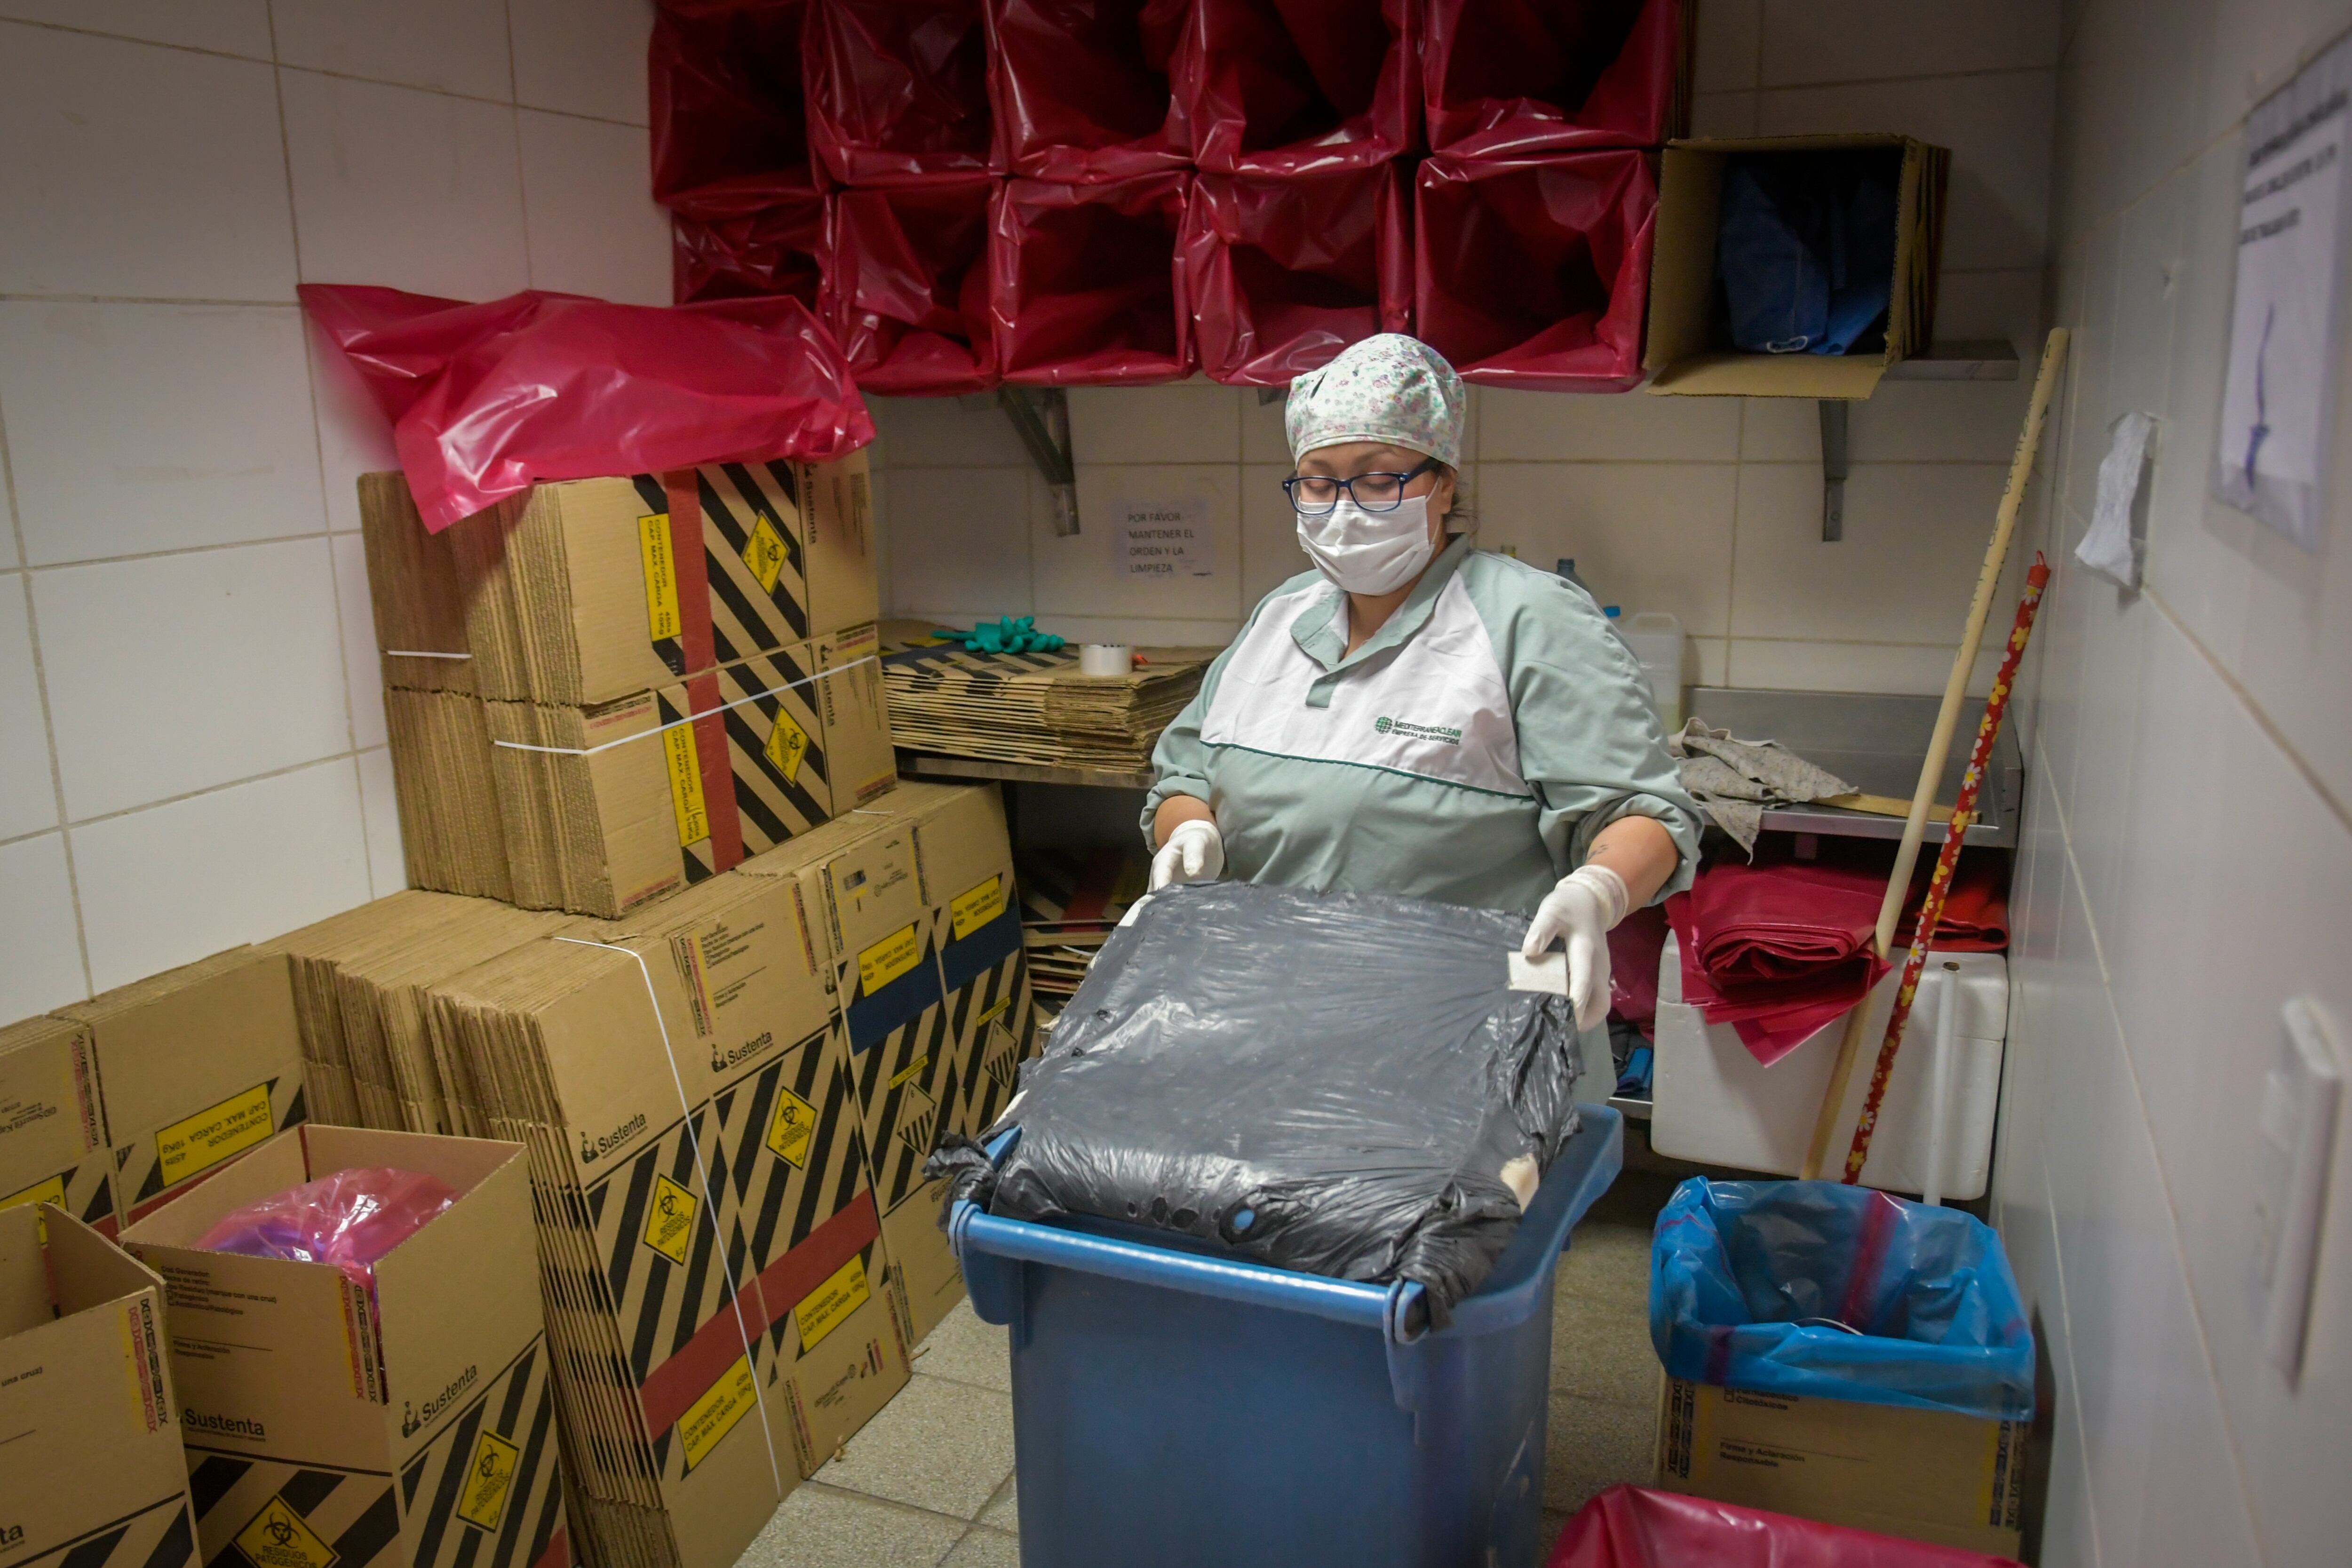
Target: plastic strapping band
{"x": 710, "y": 1197}
{"x": 420, "y": 653}
{"x": 705, "y": 713}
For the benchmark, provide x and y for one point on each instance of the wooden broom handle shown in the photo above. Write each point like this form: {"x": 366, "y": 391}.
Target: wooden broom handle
{"x": 1940, "y": 745}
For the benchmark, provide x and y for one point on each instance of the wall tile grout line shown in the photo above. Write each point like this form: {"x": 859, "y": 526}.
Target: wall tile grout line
{"x": 311, "y": 70}
{"x": 2050, "y": 69}
{"x": 49, "y": 722}
{"x": 352, "y": 755}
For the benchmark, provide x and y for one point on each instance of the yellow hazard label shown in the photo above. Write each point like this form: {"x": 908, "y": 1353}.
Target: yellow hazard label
{"x": 993, "y": 1013}
{"x": 787, "y": 744}
{"x": 918, "y": 1119}
{"x": 277, "y": 1537}
{"x": 662, "y": 619}
{"x": 790, "y": 1129}
{"x": 669, "y": 1219}
{"x": 685, "y": 785}
{"x": 488, "y": 1478}
{"x": 824, "y": 1308}
{"x": 894, "y": 955}
{"x": 52, "y": 1190}
{"x": 970, "y": 909}
{"x": 765, "y": 555}
{"x": 717, "y": 1413}
{"x": 912, "y": 1070}
{"x": 187, "y": 1148}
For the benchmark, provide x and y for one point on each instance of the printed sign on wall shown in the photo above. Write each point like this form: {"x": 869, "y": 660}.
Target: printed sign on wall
{"x": 1162, "y": 537}
{"x": 2278, "y": 398}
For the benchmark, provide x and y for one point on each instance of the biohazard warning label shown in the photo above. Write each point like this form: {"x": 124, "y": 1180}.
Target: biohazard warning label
{"x": 792, "y": 1127}
{"x": 489, "y": 1477}
{"x": 669, "y": 1219}
{"x": 277, "y": 1537}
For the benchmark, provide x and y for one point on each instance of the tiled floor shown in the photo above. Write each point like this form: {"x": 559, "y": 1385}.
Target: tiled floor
{"x": 928, "y": 1482}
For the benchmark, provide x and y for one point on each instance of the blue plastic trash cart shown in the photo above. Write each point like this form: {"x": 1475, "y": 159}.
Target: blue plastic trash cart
{"x": 1174, "y": 1407}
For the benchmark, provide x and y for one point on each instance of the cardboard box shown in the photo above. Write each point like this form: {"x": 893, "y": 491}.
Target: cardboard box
{"x": 94, "y": 1473}
{"x": 196, "y": 1066}
{"x": 589, "y": 591}
{"x": 607, "y": 807}
{"x": 416, "y": 589}
{"x": 851, "y": 695}
{"x": 333, "y": 1426}
{"x": 53, "y": 1142}
{"x": 1684, "y": 349}
{"x": 1932, "y": 1476}
{"x": 914, "y": 898}
{"x": 708, "y": 1239}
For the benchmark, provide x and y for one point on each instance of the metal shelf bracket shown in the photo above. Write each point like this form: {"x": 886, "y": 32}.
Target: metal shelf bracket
{"x": 1835, "y": 411}
{"x": 1041, "y": 416}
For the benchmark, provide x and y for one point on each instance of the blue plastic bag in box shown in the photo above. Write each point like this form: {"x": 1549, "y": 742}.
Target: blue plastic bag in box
{"x": 1805, "y": 247}
{"x": 1751, "y": 1282}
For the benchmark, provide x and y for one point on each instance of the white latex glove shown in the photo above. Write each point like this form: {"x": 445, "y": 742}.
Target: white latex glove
{"x": 1588, "y": 901}
{"x": 1195, "y": 852}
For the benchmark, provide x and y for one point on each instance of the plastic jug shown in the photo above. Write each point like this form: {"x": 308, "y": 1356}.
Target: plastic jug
{"x": 1656, "y": 640}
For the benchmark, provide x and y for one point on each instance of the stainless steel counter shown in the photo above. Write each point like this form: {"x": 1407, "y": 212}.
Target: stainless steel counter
{"x": 1875, "y": 744}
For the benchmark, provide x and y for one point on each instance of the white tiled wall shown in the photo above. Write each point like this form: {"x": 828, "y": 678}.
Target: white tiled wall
{"x": 191, "y": 737}
{"x": 1708, "y": 509}
{"x": 2189, "y": 849}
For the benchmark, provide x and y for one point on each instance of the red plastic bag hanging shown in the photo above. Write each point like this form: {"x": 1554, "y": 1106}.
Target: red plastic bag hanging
{"x": 1087, "y": 285}
{"x": 1534, "y": 272}
{"x": 1635, "y": 1527}
{"x": 724, "y": 89}
{"x": 349, "y": 1219}
{"x": 907, "y": 285}
{"x": 1297, "y": 86}
{"x": 1286, "y": 272}
{"x": 741, "y": 242}
{"x": 1509, "y": 78}
{"x": 488, "y": 399}
{"x": 1082, "y": 87}
{"x": 897, "y": 90}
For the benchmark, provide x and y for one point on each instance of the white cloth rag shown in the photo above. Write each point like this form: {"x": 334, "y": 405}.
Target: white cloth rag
{"x": 2112, "y": 545}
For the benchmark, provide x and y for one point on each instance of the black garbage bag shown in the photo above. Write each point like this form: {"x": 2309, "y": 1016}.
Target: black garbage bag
{"x": 1344, "y": 1084}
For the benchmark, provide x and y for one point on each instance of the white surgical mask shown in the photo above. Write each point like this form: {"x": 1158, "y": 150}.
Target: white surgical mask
{"x": 1368, "y": 551}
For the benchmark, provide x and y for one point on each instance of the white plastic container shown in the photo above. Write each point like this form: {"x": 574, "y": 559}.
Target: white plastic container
{"x": 1714, "y": 1105}
{"x": 1655, "y": 638}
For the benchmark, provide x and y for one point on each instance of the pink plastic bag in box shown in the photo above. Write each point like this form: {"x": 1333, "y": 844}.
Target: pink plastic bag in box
{"x": 1634, "y": 1527}
{"x": 487, "y": 400}
{"x": 349, "y": 1219}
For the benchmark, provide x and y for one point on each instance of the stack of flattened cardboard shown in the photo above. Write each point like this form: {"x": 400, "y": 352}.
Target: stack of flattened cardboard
{"x": 360, "y": 984}
{"x": 709, "y": 1243}
{"x": 663, "y": 674}
{"x": 92, "y": 1478}
{"x": 401, "y": 1419}
{"x": 440, "y": 743}
{"x": 111, "y": 1106}
{"x": 1033, "y": 707}
{"x": 1071, "y": 901}
{"x": 912, "y": 902}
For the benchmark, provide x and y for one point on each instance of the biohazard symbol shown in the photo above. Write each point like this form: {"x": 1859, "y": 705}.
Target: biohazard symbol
{"x": 277, "y": 1537}
{"x": 488, "y": 1479}
{"x": 669, "y": 1219}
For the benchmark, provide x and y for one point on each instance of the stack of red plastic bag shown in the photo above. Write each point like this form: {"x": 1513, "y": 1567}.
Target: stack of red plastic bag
{"x": 1300, "y": 87}
{"x": 731, "y": 155}
{"x": 1778, "y": 947}
{"x": 1634, "y": 1527}
{"x": 1509, "y": 78}
{"x": 349, "y": 1219}
{"x": 487, "y": 400}
{"x": 1082, "y": 87}
{"x": 1286, "y": 272}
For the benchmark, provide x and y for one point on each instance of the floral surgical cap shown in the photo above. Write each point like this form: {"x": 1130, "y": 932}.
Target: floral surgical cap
{"x": 1389, "y": 388}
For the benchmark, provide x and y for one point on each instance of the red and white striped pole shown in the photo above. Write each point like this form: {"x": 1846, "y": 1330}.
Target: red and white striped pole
{"x": 1963, "y": 810}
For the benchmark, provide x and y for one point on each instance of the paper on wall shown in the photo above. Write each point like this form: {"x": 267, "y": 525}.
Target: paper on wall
{"x": 2278, "y": 393}
{"x": 2111, "y": 546}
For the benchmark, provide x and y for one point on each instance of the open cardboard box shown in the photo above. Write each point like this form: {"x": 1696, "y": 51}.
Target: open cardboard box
{"x": 1687, "y": 356}
{"x": 329, "y": 1426}
{"x": 1928, "y": 1475}
{"x": 91, "y": 1471}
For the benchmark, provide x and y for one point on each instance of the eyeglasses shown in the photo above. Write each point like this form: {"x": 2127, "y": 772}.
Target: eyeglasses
{"x": 1315, "y": 495}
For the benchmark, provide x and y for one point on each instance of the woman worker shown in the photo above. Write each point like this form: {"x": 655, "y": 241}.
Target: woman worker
{"x": 1414, "y": 716}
